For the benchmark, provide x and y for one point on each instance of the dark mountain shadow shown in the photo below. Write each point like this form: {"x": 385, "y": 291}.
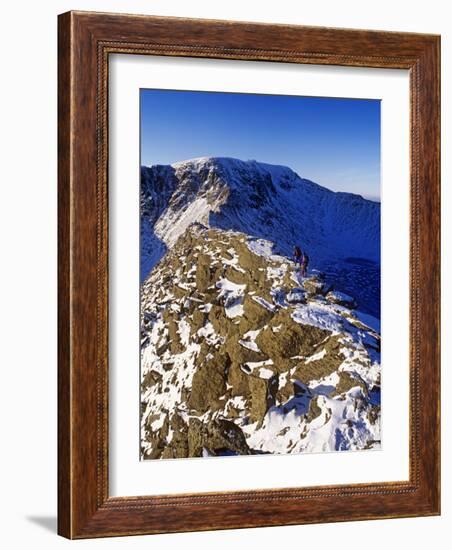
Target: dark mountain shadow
{"x": 157, "y": 184}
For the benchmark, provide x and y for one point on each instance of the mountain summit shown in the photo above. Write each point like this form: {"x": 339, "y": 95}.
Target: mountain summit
{"x": 339, "y": 231}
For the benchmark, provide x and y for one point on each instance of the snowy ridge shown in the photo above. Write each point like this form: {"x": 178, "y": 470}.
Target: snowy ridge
{"x": 241, "y": 355}
{"x": 340, "y": 231}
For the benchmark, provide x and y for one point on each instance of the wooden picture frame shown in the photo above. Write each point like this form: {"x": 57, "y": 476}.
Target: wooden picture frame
{"x": 86, "y": 40}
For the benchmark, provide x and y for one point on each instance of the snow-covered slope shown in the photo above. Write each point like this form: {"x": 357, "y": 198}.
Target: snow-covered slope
{"x": 340, "y": 231}
{"x": 241, "y": 355}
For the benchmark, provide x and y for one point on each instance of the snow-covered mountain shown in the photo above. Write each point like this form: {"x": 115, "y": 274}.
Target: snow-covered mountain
{"x": 242, "y": 355}
{"x": 339, "y": 231}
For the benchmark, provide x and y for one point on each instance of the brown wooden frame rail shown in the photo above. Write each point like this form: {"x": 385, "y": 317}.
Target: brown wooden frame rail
{"x": 84, "y": 44}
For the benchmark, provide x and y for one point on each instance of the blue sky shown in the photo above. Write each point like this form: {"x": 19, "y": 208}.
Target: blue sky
{"x": 334, "y": 142}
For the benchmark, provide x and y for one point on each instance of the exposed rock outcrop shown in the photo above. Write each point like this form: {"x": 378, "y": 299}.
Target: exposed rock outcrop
{"x": 242, "y": 355}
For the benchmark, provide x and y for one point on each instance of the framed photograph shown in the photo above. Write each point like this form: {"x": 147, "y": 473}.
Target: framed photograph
{"x": 248, "y": 285}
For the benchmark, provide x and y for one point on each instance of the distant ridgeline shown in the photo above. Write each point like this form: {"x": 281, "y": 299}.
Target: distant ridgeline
{"x": 339, "y": 231}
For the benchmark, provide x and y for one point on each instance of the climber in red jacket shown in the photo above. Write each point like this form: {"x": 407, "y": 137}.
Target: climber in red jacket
{"x": 297, "y": 256}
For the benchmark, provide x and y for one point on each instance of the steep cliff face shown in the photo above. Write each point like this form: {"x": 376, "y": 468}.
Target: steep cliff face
{"x": 340, "y": 231}
{"x": 240, "y": 354}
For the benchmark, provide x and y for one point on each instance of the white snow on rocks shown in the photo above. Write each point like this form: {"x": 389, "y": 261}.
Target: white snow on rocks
{"x": 232, "y": 295}
{"x": 260, "y": 247}
{"x": 341, "y": 298}
{"x": 320, "y": 316}
{"x": 263, "y": 302}
{"x": 316, "y": 357}
{"x": 296, "y": 296}
{"x": 260, "y": 368}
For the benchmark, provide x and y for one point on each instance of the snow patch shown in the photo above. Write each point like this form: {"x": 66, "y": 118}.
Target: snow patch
{"x": 260, "y": 247}
{"x": 320, "y": 316}
{"x": 232, "y": 295}
{"x": 264, "y": 303}
{"x": 316, "y": 356}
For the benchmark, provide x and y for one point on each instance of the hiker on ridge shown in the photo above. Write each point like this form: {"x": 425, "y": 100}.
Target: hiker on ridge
{"x": 298, "y": 256}
{"x": 304, "y": 265}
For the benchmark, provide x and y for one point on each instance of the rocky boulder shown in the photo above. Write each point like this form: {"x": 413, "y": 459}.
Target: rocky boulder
{"x": 217, "y": 437}
{"x": 341, "y": 299}
{"x": 209, "y": 384}
{"x": 263, "y": 393}
{"x": 291, "y": 340}
{"x": 315, "y": 285}
{"x": 255, "y": 315}
{"x": 296, "y": 296}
